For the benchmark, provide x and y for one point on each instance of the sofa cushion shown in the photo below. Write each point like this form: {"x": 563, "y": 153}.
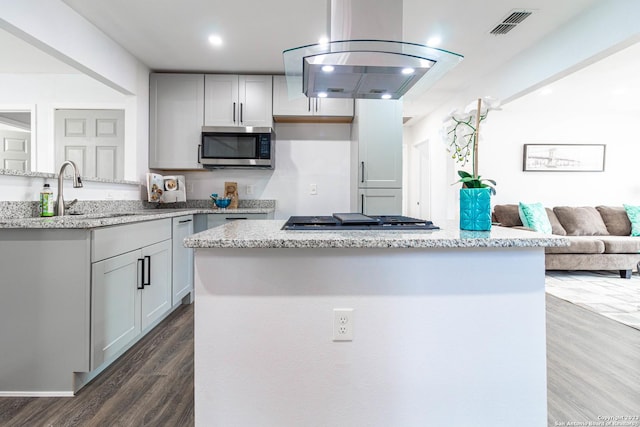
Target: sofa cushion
{"x": 556, "y": 227}
{"x": 535, "y": 217}
{"x": 633, "y": 212}
{"x": 581, "y": 221}
{"x": 621, "y": 244}
{"x": 615, "y": 219}
{"x": 579, "y": 245}
{"x": 507, "y": 215}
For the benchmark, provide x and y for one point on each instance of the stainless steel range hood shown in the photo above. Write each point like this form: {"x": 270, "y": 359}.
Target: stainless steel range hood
{"x": 364, "y": 60}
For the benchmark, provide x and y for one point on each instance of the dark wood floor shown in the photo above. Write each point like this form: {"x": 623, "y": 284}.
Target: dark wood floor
{"x": 150, "y": 385}
{"x": 593, "y": 371}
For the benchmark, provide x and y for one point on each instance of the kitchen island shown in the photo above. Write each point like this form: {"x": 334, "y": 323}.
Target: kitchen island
{"x": 448, "y": 326}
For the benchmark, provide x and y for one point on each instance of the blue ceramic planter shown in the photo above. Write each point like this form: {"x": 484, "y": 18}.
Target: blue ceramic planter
{"x": 475, "y": 209}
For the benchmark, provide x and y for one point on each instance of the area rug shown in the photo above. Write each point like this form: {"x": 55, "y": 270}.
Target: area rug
{"x": 603, "y": 292}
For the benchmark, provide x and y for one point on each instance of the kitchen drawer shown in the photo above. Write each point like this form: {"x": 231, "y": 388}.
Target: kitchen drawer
{"x": 111, "y": 241}
{"x": 214, "y": 220}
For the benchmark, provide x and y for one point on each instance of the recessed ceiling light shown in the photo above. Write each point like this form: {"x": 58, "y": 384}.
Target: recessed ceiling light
{"x": 215, "y": 40}
{"x": 408, "y": 71}
{"x": 327, "y": 68}
{"x": 322, "y": 94}
{"x": 323, "y": 40}
{"x": 546, "y": 91}
{"x": 386, "y": 96}
{"x": 434, "y": 41}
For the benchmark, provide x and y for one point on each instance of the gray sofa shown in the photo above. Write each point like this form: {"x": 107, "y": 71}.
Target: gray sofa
{"x": 600, "y": 237}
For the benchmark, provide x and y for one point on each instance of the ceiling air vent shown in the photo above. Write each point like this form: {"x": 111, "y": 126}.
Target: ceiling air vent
{"x": 509, "y": 23}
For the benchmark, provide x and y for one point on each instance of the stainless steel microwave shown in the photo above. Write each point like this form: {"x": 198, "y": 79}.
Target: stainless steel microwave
{"x": 237, "y": 147}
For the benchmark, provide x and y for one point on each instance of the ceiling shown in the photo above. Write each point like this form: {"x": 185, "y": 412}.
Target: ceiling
{"x": 169, "y": 35}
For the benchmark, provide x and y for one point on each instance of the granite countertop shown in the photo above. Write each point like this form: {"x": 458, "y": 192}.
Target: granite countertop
{"x": 268, "y": 234}
{"x": 97, "y": 219}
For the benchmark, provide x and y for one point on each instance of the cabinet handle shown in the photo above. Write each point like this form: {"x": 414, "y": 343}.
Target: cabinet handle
{"x": 147, "y": 259}
{"x": 140, "y": 284}
{"x": 317, "y": 104}
{"x": 362, "y": 204}
{"x": 308, "y": 104}
{"x": 184, "y": 221}
{"x": 241, "y": 115}
{"x": 199, "y": 145}
{"x": 233, "y": 219}
{"x": 362, "y": 179}
{"x": 234, "y": 112}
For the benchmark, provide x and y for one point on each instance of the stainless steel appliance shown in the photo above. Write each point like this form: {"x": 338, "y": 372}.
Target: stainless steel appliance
{"x": 356, "y": 221}
{"x": 237, "y": 147}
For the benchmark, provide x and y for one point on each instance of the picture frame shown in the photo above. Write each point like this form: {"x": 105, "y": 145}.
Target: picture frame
{"x": 563, "y": 157}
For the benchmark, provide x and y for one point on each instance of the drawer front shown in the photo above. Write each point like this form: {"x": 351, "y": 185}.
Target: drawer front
{"x": 111, "y": 241}
{"x": 215, "y": 220}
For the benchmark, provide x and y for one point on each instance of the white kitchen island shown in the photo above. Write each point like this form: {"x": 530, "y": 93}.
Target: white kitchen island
{"x": 448, "y": 327}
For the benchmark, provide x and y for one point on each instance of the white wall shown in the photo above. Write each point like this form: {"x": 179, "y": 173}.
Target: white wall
{"x": 605, "y": 28}
{"x": 24, "y": 189}
{"x": 305, "y": 154}
{"x": 86, "y": 48}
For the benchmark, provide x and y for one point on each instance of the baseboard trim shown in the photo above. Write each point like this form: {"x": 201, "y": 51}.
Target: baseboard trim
{"x": 36, "y": 394}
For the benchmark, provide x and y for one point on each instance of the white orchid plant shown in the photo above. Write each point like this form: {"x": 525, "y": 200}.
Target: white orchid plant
{"x": 462, "y": 134}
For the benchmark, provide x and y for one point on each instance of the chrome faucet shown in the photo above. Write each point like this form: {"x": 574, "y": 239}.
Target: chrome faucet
{"x": 77, "y": 183}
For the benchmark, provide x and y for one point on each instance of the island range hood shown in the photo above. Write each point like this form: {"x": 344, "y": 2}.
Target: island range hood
{"x": 365, "y": 59}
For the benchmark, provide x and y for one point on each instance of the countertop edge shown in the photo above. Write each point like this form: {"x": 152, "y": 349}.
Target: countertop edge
{"x": 90, "y": 221}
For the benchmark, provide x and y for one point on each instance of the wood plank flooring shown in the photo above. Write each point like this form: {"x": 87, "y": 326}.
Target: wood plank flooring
{"x": 150, "y": 385}
{"x": 593, "y": 370}
{"x": 593, "y": 366}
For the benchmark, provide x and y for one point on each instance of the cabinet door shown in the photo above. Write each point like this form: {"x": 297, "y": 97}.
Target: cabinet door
{"x": 115, "y": 305}
{"x": 334, "y": 107}
{"x": 182, "y": 261}
{"x": 221, "y": 103}
{"x": 284, "y": 106}
{"x": 176, "y": 110}
{"x": 380, "y": 201}
{"x": 156, "y": 295}
{"x": 379, "y": 147}
{"x": 255, "y": 95}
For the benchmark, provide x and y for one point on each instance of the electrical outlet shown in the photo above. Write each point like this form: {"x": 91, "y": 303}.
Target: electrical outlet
{"x": 313, "y": 189}
{"x": 189, "y": 187}
{"x": 250, "y": 189}
{"x": 343, "y": 324}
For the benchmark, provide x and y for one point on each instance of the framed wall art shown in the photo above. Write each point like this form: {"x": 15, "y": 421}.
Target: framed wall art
{"x": 563, "y": 157}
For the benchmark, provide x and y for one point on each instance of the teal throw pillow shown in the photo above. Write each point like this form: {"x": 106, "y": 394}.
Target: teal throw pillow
{"x": 534, "y": 216}
{"x": 633, "y": 212}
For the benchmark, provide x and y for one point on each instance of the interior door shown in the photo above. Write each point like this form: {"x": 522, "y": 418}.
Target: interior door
{"x": 15, "y": 151}
{"x": 93, "y": 140}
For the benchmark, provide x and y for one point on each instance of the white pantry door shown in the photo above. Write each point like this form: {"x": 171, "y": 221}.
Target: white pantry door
{"x": 93, "y": 140}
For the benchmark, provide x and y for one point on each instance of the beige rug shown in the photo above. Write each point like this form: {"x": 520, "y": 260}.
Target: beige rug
{"x": 603, "y": 292}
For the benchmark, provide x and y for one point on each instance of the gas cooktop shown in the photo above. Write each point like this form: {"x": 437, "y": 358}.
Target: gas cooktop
{"x": 356, "y": 221}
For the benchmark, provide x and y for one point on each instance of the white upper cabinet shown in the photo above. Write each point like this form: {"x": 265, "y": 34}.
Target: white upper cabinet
{"x": 379, "y": 135}
{"x": 302, "y": 106}
{"x": 175, "y": 120}
{"x": 238, "y": 100}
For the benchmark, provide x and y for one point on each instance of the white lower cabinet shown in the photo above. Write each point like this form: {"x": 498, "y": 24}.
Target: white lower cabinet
{"x": 380, "y": 201}
{"x": 182, "y": 280}
{"x": 115, "y": 305}
{"x": 214, "y": 220}
{"x": 130, "y": 291}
